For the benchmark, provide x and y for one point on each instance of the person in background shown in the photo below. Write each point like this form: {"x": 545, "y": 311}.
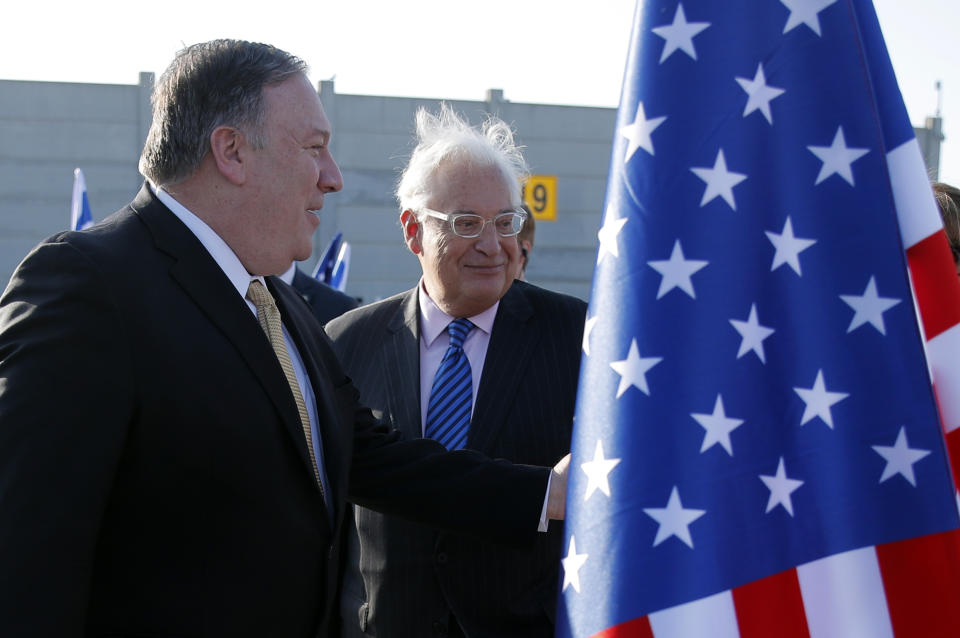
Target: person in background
{"x": 476, "y": 359}
{"x": 948, "y": 201}
{"x": 325, "y": 302}
{"x": 177, "y": 438}
{"x": 525, "y": 237}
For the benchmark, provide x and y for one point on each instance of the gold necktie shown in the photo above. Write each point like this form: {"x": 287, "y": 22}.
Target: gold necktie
{"x": 269, "y": 317}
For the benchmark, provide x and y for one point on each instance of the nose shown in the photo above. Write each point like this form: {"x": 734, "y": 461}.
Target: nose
{"x": 330, "y": 180}
{"x": 488, "y": 242}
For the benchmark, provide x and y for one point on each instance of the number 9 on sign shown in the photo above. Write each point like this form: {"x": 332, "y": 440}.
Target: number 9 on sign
{"x": 540, "y": 195}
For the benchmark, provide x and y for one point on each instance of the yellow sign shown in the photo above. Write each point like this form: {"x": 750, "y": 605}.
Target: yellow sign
{"x": 540, "y": 195}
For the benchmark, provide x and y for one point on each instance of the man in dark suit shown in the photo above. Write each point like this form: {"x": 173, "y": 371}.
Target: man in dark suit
{"x": 325, "y": 301}
{"x": 460, "y": 213}
{"x": 177, "y": 438}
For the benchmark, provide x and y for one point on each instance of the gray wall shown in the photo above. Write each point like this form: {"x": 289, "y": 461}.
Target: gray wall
{"x": 930, "y": 137}
{"x": 47, "y": 129}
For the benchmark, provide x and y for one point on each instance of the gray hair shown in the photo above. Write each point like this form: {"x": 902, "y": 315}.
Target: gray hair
{"x": 446, "y": 137}
{"x": 211, "y": 84}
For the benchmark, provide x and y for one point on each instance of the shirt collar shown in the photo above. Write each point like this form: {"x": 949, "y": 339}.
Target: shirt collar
{"x": 434, "y": 321}
{"x": 288, "y": 276}
{"x": 218, "y": 249}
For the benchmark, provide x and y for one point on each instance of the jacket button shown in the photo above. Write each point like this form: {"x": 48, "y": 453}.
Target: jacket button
{"x": 442, "y": 558}
{"x": 440, "y": 629}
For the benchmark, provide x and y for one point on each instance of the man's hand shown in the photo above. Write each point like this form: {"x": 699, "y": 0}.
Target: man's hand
{"x": 557, "y": 499}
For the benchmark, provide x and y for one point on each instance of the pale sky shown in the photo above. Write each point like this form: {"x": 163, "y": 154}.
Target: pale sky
{"x": 542, "y": 51}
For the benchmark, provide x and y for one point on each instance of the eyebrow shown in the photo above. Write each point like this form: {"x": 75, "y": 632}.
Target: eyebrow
{"x": 322, "y": 133}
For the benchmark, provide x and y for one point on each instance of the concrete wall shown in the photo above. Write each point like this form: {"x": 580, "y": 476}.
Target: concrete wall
{"x": 48, "y": 129}
{"x": 930, "y": 137}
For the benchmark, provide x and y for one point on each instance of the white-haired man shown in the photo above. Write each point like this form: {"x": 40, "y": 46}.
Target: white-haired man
{"x": 474, "y": 359}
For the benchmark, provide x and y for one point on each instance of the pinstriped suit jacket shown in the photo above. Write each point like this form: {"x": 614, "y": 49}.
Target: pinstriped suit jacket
{"x": 405, "y": 580}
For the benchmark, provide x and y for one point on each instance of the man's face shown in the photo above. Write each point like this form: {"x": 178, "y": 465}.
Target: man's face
{"x": 291, "y": 174}
{"x": 465, "y": 276}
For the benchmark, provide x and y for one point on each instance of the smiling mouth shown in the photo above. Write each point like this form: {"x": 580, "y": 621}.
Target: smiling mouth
{"x": 486, "y": 267}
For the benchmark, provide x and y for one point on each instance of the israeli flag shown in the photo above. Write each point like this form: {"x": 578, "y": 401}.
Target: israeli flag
{"x": 80, "y": 216}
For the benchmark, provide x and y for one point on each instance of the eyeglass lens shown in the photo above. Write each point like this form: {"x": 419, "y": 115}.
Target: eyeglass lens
{"x": 506, "y": 224}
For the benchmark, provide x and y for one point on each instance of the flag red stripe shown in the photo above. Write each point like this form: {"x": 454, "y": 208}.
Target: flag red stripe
{"x": 636, "y": 628}
{"x": 922, "y": 585}
{"x": 771, "y": 606}
{"x": 953, "y": 452}
{"x": 935, "y": 283}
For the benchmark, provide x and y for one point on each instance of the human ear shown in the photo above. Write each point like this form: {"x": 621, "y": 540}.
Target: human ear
{"x": 411, "y": 231}
{"x": 227, "y": 148}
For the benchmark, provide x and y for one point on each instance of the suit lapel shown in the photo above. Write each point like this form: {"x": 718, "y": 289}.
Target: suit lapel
{"x": 513, "y": 340}
{"x": 402, "y": 354}
{"x": 205, "y": 283}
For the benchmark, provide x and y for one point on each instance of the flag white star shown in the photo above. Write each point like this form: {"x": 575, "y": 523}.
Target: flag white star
{"x": 759, "y": 94}
{"x": 676, "y": 271}
{"x": 780, "y": 488}
{"x": 639, "y": 132}
{"x": 571, "y": 566}
{"x": 805, "y": 12}
{"x": 633, "y": 370}
{"x": 752, "y": 334}
{"x": 718, "y": 427}
{"x": 869, "y": 307}
{"x": 608, "y": 234}
{"x": 837, "y": 158}
{"x": 587, "y": 329}
{"x": 673, "y": 519}
{"x": 818, "y": 401}
{"x": 900, "y": 458}
{"x": 679, "y": 35}
{"x": 719, "y": 180}
{"x": 597, "y": 472}
{"x": 788, "y": 247}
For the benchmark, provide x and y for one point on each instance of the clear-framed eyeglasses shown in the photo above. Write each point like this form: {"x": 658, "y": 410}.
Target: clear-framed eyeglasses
{"x": 470, "y": 225}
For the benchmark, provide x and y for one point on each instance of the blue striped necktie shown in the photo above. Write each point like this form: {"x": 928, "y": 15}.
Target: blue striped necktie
{"x": 451, "y": 397}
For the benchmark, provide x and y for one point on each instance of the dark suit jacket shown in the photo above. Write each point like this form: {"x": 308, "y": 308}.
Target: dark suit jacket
{"x": 153, "y": 474}
{"x": 326, "y": 302}
{"x": 404, "y": 580}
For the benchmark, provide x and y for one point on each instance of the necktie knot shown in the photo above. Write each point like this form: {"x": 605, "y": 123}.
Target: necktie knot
{"x": 459, "y": 329}
{"x": 259, "y": 295}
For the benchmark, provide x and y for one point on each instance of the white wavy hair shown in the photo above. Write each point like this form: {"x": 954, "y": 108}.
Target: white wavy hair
{"x": 447, "y": 137}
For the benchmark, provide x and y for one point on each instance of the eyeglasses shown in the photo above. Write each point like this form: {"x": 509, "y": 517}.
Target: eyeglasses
{"x": 470, "y": 225}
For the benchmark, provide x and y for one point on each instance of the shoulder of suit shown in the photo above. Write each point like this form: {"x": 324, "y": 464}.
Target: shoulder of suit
{"x": 113, "y": 237}
{"x": 550, "y": 300}
{"x": 378, "y": 312}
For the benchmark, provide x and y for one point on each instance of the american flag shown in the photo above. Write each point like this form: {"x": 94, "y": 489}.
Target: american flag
{"x": 757, "y": 449}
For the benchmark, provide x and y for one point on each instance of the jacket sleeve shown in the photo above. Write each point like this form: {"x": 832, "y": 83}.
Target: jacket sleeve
{"x": 461, "y": 491}
{"x": 65, "y": 403}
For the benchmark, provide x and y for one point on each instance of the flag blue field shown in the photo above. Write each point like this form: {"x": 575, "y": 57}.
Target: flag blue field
{"x": 755, "y": 397}
{"x": 80, "y": 216}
